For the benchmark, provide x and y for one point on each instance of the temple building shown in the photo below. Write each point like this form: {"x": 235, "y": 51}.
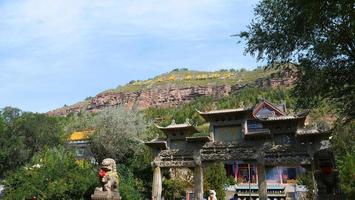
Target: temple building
{"x": 263, "y": 148}
{"x": 79, "y": 141}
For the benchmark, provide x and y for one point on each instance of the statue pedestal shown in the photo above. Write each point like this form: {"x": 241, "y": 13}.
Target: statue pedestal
{"x": 105, "y": 195}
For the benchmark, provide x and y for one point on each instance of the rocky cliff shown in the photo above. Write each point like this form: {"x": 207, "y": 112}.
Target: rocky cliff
{"x": 157, "y": 97}
{"x": 175, "y": 88}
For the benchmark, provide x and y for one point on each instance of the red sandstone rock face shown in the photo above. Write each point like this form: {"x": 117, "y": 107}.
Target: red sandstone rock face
{"x": 157, "y": 97}
{"x": 170, "y": 95}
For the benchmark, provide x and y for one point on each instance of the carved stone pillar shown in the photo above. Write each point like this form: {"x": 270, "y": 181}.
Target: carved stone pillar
{"x": 262, "y": 182}
{"x": 198, "y": 182}
{"x": 157, "y": 184}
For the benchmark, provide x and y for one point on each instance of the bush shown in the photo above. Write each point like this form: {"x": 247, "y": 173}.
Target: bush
{"x": 52, "y": 174}
{"x": 174, "y": 189}
{"x": 130, "y": 187}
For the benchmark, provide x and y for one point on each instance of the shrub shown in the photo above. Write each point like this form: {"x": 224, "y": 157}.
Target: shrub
{"x": 52, "y": 174}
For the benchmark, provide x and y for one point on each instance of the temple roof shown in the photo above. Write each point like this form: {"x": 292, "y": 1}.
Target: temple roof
{"x": 201, "y": 139}
{"x": 264, "y": 104}
{"x": 187, "y": 127}
{"x": 223, "y": 111}
{"x": 157, "y": 143}
{"x": 305, "y": 134}
{"x": 257, "y": 133}
{"x": 207, "y": 115}
{"x": 279, "y": 118}
{"x": 80, "y": 135}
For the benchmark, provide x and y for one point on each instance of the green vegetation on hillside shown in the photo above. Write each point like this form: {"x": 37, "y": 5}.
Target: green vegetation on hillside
{"x": 248, "y": 97}
{"x": 188, "y": 78}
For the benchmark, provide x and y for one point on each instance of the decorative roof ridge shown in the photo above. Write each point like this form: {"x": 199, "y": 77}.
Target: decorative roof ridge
{"x": 173, "y": 125}
{"x": 285, "y": 117}
{"x": 268, "y": 103}
{"x": 220, "y": 111}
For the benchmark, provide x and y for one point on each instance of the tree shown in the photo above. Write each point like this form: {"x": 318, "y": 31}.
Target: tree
{"x": 318, "y": 36}
{"x": 9, "y": 114}
{"x": 174, "y": 189}
{"x": 215, "y": 179}
{"x": 38, "y": 130}
{"x": 117, "y": 133}
{"x": 343, "y": 143}
{"x": 52, "y": 174}
{"x": 25, "y": 135}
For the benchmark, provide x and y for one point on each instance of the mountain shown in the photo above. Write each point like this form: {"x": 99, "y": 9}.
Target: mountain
{"x": 181, "y": 86}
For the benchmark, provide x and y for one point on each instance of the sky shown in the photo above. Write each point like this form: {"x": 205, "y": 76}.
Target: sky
{"x": 56, "y": 52}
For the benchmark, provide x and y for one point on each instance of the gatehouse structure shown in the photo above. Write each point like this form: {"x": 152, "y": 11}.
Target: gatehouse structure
{"x": 262, "y": 147}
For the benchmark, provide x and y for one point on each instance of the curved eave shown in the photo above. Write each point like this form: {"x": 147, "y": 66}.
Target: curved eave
{"x": 283, "y": 118}
{"x": 257, "y": 135}
{"x": 209, "y": 115}
{"x": 311, "y": 135}
{"x": 181, "y": 127}
{"x": 162, "y": 145}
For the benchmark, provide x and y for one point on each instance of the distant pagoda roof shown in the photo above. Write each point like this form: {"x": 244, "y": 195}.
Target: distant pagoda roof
{"x": 186, "y": 127}
{"x": 80, "y": 135}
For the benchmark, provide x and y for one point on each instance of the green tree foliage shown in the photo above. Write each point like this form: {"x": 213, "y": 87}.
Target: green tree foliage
{"x": 52, "y": 174}
{"x": 215, "y": 179}
{"x": 347, "y": 176}
{"x": 319, "y": 36}
{"x": 9, "y": 114}
{"x": 80, "y": 121}
{"x": 39, "y": 130}
{"x": 174, "y": 189}
{"x": 117, "y": 133}
{"x": 307, "y": 180}
{"x": 140, "y": 167}
{"x": 343, "y": 143}
{"x": 131, "y": 187}
{"x": 24, "y": 135}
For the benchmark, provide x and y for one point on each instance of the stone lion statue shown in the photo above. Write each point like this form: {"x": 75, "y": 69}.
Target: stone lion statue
{"x": 109, "y": 181}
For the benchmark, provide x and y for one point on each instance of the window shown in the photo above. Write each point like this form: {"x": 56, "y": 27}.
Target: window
{"x": 288, "y": 175}
{"x": 254, "y": 125}
{"x": 80, "y": 152}
{"x": 272, "y": 175}
{"x": 240, "y": 171}
{"x": 243, "y": 173}
{"x": 283, "y": 175}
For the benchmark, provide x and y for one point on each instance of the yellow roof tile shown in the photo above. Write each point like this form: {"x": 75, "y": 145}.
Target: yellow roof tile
{"x": 80, "y": 135}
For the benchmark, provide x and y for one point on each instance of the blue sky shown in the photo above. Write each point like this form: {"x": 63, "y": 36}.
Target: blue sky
{"x": 56, "y": 52}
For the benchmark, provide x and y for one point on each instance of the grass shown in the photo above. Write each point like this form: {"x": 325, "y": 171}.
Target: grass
{"x": 181, "y": 79}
